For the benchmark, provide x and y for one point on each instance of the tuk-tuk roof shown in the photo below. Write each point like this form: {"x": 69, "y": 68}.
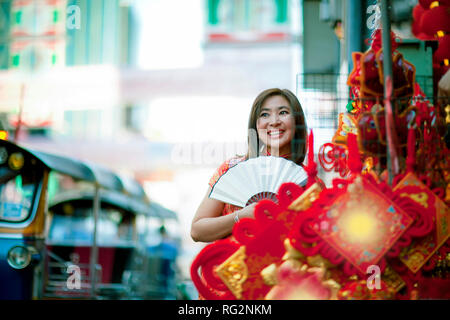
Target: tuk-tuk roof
{"x": 132, "y": 187}
{"x": 106, "y": 178}
{"x": 97, "y": 174}
{"x": 68, "y": 166}
{"x": 120, "y": 200}
{"x": 86, "y": 171}
{"x": 162, "y": 212}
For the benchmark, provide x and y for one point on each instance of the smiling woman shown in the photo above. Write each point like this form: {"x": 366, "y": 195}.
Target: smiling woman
{"x": 279, "y": 122}
{"x": 276, "y": 127}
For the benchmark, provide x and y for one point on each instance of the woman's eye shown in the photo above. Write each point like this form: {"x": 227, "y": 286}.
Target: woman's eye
{"x": 264, "y": 115}
{"x": 284, "y": 112}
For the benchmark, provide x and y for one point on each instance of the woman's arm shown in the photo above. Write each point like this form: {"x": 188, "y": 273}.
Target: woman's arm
{"x": 209, "y": 225}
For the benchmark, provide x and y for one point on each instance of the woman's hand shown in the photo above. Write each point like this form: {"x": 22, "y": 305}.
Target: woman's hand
{"x": 247, "y": 212}
{"x": 209, "y": 225}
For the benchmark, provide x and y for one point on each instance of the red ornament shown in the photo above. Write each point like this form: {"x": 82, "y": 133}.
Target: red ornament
{"x": 208, "y": 284}
{"x": 229, "y": 269}
{"x": 435, "y": 19}
{"x": 333, "y": 157}
{"x": 443, "y": 51}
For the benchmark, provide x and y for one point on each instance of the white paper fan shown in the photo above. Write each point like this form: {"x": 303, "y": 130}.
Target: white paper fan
{"x": 255, "y": 179}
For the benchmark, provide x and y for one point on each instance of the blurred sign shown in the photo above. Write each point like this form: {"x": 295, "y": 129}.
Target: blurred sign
{"x": 248, "y": 21}
{"x": 37, "y": 30}
{"x": 38, "y": 17}
{"x": 70, "y": 88}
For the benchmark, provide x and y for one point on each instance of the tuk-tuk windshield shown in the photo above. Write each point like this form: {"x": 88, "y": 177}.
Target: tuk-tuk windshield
{"x": 17, "y": 192}
{"x": 73, "y": 222}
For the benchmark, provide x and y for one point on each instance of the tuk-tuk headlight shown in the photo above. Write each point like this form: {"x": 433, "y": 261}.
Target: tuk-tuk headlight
{"x": 19, "y": 257}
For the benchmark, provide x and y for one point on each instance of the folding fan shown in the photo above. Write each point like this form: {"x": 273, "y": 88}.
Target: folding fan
{"x": 256, "y": 179}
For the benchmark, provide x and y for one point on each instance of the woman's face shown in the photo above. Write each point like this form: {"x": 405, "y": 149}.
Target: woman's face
{"x": 276, "y": 125}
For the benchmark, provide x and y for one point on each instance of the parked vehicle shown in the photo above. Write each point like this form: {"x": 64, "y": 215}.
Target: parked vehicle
{"x": 72, "y": 229}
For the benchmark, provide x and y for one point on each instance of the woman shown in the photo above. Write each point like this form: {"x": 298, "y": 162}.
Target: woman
{"x": 276, "y": 127}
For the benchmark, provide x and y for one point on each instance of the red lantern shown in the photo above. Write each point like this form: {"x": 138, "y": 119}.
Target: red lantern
{"x": 436, "y": 19}
{"x": 418, "y": 11}
{"x": 443, "y": 51}
{"x": 426, "y": 4}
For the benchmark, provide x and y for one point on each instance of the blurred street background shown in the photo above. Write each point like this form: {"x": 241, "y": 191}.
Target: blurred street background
{"x": 161, "y": 89}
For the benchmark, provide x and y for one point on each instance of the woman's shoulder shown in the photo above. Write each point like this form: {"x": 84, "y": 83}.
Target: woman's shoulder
{"x": 235, "y": 160}
{"x": 231, "y": 162}
{"x": 224, "y": 167}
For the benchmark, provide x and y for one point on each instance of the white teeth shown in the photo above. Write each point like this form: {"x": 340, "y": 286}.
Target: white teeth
{"x": 275, "y": 133}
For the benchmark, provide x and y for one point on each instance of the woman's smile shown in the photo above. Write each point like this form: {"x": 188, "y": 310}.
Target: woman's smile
{"x": 275, "y": 133}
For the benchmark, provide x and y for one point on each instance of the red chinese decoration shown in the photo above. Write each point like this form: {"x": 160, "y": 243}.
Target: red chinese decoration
{"x": 432, "y": 22}
{"x": 323, "y": 243}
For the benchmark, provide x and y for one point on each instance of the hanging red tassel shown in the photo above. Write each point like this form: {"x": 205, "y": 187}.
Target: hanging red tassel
{"x": 311, "y": 167}
{"x": 411, "y": 157}
{"x": 354, "y": 160}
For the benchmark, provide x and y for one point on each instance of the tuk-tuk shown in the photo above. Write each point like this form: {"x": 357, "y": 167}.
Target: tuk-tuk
{"x": 135, "y": 259}
{"x": 87, "y": 242}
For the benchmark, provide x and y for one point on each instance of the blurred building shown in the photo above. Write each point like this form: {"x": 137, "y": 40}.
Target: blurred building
{"x": 40, "y": 34}
{"x": 47, "y": 48}
{"x": 104, "y": 36}
{"x": 248, "y": 21}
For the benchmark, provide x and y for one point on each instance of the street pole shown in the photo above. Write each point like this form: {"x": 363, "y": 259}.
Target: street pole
{"x": 354, "y": 29}
{"x": 19, "y": 119}
{"x": 391, "y": 152}
{"x": 94, "y": 248}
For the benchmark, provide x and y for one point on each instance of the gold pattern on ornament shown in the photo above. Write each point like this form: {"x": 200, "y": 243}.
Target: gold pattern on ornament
{"x": 306, "y": 199}
{"x": 368, "y": 165}
{"x": 392, "y": 279}
{"x": 301, "y": 266}
{"x": 319, "y": 262}
{"x": 420, "y": 198}
{"x": 447, "y": 111}
{"x": 291, "y": 252}
{"x": 234, "y": 272}
{"x": 269, "y": 274}
{"x": 334, "y": 288}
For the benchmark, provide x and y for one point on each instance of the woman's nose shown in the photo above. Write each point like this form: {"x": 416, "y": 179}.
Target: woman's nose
{"x": 275, "y": 119}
